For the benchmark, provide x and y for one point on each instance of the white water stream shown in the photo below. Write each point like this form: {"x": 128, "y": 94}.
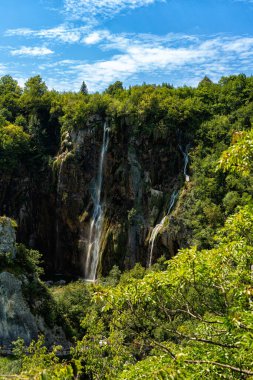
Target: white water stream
{"x": 96, "y": 225}
{"x": 159, "y": 227}
{"x": 186, "y": 161}
{"x": 58, "y": 207}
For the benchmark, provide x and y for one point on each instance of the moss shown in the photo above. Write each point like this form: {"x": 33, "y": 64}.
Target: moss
{"x": 84, "y": 216}
{"x": 113, "y": 243}
{"x": 60, "y": 159}
{"x": 4, "y": 220}
{"x": 131, "y": 215}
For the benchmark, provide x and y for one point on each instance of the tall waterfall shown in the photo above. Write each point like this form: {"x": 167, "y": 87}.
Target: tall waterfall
{"x": 186, "y": 161}
{"x": 92, "y": 257}
{"x": 159, "y": 227}
{"x": 58, "y": 207}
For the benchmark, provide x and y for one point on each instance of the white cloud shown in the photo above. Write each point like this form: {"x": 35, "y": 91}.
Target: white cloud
{"x": 174, "y": 58}
{"x": 32, "y": 51}
{"x": 240, "y": 45}
{"x": 18, "y": 31}
{"x": 62, "y": 33}
{"x": 106, "y": 8}
{"x": 95, "y": 37}
{"x": 177, "y": 59}
{"x": 88, "y": 10}
{"x": 139, "y": 59}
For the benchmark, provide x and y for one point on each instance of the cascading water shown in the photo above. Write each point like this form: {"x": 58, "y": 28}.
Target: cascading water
{"x": 172, "y": 201}
{"x": 159, "y": 227}
{"x": 92, "y": 257}
{"x": 186, "y": 161}
{"x": 58, "y": 207}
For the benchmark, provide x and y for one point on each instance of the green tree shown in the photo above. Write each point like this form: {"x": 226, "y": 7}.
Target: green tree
{"x": 9, "y": 85}
{"x": 10, "y": 93}
{"x": 14, "y": 146}
{"x": 37, "y": 362}
{"x": 35, "y": 87}
{"x": 84, "y": 88}
{"x": 114, "y": 88}
{"x": 238, "y": 157}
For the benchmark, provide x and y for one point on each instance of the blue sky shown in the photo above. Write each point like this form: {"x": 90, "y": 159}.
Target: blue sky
{"x": 101, "y": 41}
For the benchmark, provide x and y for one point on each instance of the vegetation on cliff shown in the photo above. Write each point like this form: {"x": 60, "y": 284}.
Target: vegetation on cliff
{"x": 185, "y": 318}
{"x": 34, "y": 124}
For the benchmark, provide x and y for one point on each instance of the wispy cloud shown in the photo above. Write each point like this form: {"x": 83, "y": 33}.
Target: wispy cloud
{"x": 95, "y": 37}
{"x": 240, "y": 45}
{"x": 62, "y": 33}
{"x": 174, "y": 58}
{"x": 139, "y": 58}
{"x": 91, "y": 9}
{"x": 32, "y": 51}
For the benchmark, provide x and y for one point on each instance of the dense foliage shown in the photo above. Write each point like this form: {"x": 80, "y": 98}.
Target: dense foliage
{"x": 34, "y": 121}
{"x": 187, "y": 318}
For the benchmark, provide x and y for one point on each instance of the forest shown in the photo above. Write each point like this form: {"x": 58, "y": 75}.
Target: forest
{"x": 183, "y": 310}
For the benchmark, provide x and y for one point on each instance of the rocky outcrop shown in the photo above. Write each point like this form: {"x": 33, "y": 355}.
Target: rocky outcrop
{"x": 16, "y": 319}
{"x": 23, "y": 298}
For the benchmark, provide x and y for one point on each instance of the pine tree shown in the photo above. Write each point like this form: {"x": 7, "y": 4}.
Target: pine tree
{"x": 84, "y": 89}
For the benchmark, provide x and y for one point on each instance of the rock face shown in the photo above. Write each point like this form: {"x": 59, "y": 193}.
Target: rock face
{"x": 138, "y": 181}
{"x": 54, "y": 210}
{"x": 7, "y": 237}
{"x": 16, "y": 319}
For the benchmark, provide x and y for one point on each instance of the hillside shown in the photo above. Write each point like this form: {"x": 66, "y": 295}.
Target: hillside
{"x": 145, "y": 193}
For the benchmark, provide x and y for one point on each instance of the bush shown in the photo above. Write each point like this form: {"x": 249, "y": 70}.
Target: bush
{"x": 29, "y": 260}
{"x": 14, "y": 146}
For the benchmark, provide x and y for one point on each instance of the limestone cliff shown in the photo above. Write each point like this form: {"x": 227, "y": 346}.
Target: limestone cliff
{"x": 16, "y": 319}
{"x": 24, "y": 303}
{"x": 54, "y": 209}
{"x": 139, "y": 178}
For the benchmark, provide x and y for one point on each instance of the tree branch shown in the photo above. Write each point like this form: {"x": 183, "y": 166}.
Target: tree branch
{"x": 198, "y": 317}
{"x": 232, "y": 368}
{"x": 222, "y": 365}
{"x": 204, "y": 340}
{"x": 153, "y": 343}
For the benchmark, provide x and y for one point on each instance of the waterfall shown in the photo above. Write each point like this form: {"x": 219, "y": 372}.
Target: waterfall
{"x": 58, "y": 207}
{"x": 172, "y": 201}
{"x": 92, "y": 256}
{"x": 186, "y": 161}
{"x": 159, "y": 227}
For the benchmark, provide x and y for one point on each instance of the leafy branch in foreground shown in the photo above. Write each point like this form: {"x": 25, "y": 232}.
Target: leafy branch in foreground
{"x": 239, "y": 156}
